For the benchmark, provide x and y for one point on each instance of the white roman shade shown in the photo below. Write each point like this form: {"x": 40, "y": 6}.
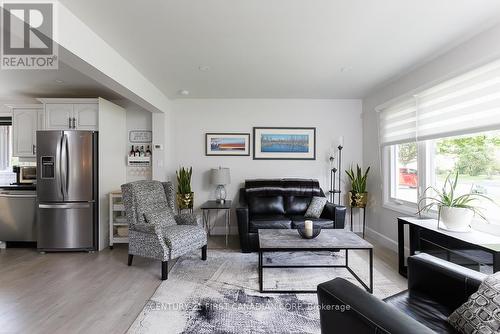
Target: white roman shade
{"x": 465, "y": 104}
{"x": 398, "y": 123}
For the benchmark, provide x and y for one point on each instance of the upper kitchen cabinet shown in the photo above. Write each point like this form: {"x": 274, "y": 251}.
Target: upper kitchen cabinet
{"x": 58, "y": 116}
{"x": 70, "y": 114}
{"x": 25, "y": 120}
{"x": 86, "y": 115}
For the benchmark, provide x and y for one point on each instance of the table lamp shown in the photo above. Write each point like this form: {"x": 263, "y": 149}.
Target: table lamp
{"x": 220, "y": 177}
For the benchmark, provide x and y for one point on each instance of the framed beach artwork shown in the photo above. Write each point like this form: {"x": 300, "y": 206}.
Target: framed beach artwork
{"x": 227, "y": 144}
{"x": 284, "y": 143}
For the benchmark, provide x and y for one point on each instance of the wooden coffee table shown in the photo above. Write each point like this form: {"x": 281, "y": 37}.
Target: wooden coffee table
{"x": 284, "y": 240}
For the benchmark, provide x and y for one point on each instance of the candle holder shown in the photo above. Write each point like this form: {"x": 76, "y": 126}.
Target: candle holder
{"x": 315, "y": 232}
{"x": 333, "y": 174}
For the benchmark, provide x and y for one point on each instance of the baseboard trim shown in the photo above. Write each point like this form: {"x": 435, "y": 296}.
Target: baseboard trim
{"x": 382, "y": 239}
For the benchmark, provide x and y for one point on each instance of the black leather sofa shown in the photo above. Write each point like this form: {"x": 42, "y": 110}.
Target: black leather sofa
{"x": 435, "y": 289}
{"x": 280, "y": 204}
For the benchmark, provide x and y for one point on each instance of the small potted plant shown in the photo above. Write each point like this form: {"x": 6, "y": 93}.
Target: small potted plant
{"x": 358, "y": 197}
{"x": 455, "y": 211}
{"x": 185, "y": 196}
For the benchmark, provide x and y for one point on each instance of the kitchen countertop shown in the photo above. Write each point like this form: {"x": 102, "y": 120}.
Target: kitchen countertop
{"x": 18, "y": 187}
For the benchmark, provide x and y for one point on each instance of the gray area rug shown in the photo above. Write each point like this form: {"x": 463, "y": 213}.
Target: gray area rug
{"x": 221, "y": 295}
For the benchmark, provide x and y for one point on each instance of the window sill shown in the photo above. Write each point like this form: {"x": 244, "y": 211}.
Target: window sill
{"x": 490, "y": 228}
{"x": 401, "y": 208}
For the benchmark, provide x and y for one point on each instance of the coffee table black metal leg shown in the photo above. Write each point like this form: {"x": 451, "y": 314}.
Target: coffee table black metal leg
{"x": 260, "y": 272}
{"x": 347, "y": 258}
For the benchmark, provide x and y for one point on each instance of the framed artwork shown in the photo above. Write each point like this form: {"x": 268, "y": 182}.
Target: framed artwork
{"x": 284, "y": 143}
{"x": 140, "y": 136}
{"x": 227, "y": 144}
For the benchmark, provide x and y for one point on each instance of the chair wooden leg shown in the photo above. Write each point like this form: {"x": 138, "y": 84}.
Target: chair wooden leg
{"x": 130, "y": 258}
{"x": 204, "y": 253}
{"x": 164, "y": 270}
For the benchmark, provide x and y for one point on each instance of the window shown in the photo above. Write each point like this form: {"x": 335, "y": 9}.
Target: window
{"x": 452, "y": 126}
{"x": 404, "y": 173}
{"x": 476, "y": 157}
{"x": 7, "y": 176}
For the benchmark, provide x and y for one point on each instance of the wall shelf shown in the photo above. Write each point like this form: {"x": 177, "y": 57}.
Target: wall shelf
{"x": 139, "y": 161}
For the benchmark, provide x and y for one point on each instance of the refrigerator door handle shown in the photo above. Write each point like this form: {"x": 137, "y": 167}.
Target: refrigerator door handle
{"x": 65, "y": 206}
{"x": 9, "y": 195}
{"x": 58, "y": 171}
{"x": 64, "y": 165}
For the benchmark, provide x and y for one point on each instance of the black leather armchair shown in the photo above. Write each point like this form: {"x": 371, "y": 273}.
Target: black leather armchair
{"x": 280, "y": 204}
{"x": 435, "y": 289}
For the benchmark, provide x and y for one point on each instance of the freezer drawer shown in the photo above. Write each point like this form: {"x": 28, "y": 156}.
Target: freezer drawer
{"x": 17, "y": 215}
{"x": 65, "y": 226}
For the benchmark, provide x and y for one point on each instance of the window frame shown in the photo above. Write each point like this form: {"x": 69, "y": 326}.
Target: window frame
{"x": 425, "y": 163}
{"x": 391, "y": 202}
{"x": 9, "y": 153}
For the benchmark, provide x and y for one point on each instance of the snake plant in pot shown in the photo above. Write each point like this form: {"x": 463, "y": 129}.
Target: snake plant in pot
{"x": 358, "y": 196}
{"x": 185, "y": 196}
{"x": 455, "y": 212}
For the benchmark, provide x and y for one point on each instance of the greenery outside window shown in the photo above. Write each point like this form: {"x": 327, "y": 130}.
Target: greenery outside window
{"x": 416, "y": 166}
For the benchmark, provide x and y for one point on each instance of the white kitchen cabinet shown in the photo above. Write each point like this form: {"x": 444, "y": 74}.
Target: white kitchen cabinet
{"x": 86, "y": 116}
{"x": 58, "y": 116}
{"x": 70, "y": 114}
{"x": 24, "y": 127}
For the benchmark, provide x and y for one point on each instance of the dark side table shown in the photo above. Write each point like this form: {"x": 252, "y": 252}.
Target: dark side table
{"x": 209, "y": 206}
{"x": 471, "y": 249}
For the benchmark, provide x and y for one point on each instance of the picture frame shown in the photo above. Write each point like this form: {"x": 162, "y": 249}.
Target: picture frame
{"x": 227, "y": 144}
{"x": 284, "y": 143}
{"x": 140, "y": 136}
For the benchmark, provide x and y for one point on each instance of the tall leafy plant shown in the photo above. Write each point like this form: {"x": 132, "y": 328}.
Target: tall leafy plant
{"x": 358, "y": 179}
{"x": 184, "y": 180}
{"x": 448, "y": 196}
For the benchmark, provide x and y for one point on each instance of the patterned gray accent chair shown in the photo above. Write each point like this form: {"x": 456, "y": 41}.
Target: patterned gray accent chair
{"x": 155, "y": 229}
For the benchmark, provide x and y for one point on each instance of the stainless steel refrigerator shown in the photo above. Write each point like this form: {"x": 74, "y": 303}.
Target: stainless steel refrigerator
{"x": 67, "y": 190}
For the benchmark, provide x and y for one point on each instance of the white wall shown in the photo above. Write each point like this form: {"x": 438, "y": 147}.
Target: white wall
{"x": 112, "y": 170}
{"x": 192, "y": 118}
{"x": 381, "y": 222}
{"x": 163, "y": 141}
{"x": 137, "y": 118}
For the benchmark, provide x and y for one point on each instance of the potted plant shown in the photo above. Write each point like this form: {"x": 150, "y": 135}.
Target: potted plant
{"x": 358, "y": 197}
{"x": 455, "y": 212}
{"x": 185, "y": 197}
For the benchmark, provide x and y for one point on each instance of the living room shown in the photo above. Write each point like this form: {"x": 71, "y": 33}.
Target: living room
{"x": 251, "y": 167}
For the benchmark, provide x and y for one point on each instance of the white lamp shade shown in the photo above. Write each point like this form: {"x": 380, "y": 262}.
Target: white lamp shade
{"x": 221, "y": 176}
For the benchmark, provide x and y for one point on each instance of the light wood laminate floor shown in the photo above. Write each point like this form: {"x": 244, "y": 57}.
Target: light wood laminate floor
{"x": 92, "y": 293}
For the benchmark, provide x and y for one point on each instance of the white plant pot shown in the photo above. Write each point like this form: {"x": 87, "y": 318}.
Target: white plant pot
{"x": 455, "y": 219}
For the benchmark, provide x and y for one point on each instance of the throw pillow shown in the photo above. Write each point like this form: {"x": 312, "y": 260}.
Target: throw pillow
{"x": 315, "y": 207}
{"x": 162, "y": 218}
{"x": 481, "y": 313}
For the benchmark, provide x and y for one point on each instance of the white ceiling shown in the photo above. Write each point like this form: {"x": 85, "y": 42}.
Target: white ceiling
{"x": 281, "y": 48}
{"x": 25, "y": 84}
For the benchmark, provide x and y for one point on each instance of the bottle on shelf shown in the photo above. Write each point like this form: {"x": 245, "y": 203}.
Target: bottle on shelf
{"x": 137, "y": 152}
{"x": 142, "y": 152}
{"x": 148, "y": 151}
{"x": 132, "y": 152}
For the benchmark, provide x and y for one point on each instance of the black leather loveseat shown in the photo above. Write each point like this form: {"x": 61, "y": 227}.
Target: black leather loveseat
{"x": 435, "y": 289}
{"x": 280, "y": 204}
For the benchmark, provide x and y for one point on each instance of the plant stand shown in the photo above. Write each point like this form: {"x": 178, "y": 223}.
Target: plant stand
{"x": 364, "y": 219}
